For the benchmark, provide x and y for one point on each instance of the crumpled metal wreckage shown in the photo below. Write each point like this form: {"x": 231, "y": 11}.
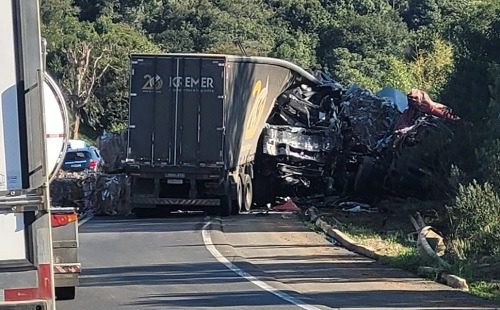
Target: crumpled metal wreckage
{"x": 329, "y": 137}
{"x": 92, "y": 193}
{"x": 112, "y": 147}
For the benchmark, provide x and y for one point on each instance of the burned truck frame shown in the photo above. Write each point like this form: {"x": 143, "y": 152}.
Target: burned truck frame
{"x": 194, "y": 125}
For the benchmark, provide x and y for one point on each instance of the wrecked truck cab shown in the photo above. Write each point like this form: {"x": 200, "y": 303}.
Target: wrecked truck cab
{"x": 326, "y": 136}
{"x": 194, "y": 124}
{"x": 314, "y": 144}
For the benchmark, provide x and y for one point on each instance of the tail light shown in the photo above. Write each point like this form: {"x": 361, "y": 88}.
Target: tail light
{"x": 62, "y": 219}
{"x": 93, "y": 164}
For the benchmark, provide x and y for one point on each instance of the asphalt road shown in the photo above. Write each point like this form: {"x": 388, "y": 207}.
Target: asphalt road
{"x": 169, "y": 263}
{"x": 158, "y": 264}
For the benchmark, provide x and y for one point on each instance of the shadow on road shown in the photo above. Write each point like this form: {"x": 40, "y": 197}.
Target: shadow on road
{"x": 181, "y": 266}
{"x": 171, "y": 223}
{"x": 209, "y": 300}
{"x": 162, "y": 274}
{"x": 206, "y": 273}
{"x": 203, "y": 275}
{"x": 340, "y": 299}
{"x": 275, "y": 245}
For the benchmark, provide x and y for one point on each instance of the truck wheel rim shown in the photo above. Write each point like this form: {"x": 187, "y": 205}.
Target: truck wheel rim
{"x": 240, "y": 194}
{"x": 248, "y": 193}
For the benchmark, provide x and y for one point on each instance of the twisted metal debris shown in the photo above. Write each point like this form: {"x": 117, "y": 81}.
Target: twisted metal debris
{"x": 327, "y": 137}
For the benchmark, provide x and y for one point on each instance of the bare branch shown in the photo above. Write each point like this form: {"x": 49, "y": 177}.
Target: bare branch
{"x": 89, "y": 74}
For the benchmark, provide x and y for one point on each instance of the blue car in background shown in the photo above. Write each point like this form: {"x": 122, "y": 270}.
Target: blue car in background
{"x": 80, "y": 159}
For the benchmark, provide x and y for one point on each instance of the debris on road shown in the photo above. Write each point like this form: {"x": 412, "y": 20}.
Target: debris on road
{"x": 288, "y": 206}
{"x": 335, "y": 232}
{"x": 366, "y": 120}
{"x": 345, "y": 141}
{"x": 429, "y": 242}
{"x": 92, "y": 193}
{"x": 298, "y": 142}
{"x": 113, "y": 195}
{"x": 356, "y": 207}
{"x": 455, "y": 282}
{"x": 112, "y": 147}
{"x": 434, "y": 239}
{"x": 75, "y": 190}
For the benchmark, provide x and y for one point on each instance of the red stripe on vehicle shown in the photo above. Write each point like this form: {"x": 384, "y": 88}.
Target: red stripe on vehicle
{"x": 44, "y": 290}
{"x": 45, "y": 281}
{"x": 20, "y": 294}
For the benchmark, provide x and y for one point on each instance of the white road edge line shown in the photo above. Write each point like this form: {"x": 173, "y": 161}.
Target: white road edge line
{"x": 85, "y": 220}
{"x": 263, "y": 285}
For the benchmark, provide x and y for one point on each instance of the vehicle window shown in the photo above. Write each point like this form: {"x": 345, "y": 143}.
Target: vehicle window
{"x": 77, "y": 156}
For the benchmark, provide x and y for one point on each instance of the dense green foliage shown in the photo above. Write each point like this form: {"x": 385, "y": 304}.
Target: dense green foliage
{"x": 447, "y": 47}
{"x": 475, "y": 220}
{"x": 90, "y": 58}
{"x": 450, "y": 48}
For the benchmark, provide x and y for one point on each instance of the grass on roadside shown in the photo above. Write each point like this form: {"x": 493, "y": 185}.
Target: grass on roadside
{"x": 398, "y": 252}
{"x": 488, "y": 290}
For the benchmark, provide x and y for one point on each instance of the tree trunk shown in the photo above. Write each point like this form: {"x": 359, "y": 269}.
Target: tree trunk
{"x": 76, "y": 127}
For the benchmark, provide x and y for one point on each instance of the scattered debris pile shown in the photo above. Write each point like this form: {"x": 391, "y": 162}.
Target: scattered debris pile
{"x": 99, "y": 194}
{"x": 329, "y": 138}
{"x": 112, "y": 194}
{"x": 75, "y": 190}
{"x": 112, "y": 147}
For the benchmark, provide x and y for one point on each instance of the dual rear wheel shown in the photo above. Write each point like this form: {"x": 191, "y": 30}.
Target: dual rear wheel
{"x": 243, "y": 198}
{"x": 247, "y": 193}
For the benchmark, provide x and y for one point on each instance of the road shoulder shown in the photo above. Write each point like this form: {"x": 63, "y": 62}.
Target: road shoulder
{"x": 279, "y": 247}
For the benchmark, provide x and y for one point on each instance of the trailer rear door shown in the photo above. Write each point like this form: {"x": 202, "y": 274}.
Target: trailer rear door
{"x": 176, "y": 110}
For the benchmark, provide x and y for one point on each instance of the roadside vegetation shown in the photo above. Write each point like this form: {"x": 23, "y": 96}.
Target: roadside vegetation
{"x": 472, "y": 248}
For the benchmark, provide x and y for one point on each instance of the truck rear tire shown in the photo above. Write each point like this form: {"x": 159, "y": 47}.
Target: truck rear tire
{"x": 246, "y": 181}
{"x": 65, "y": 293}
{"x": 237, "y": 206}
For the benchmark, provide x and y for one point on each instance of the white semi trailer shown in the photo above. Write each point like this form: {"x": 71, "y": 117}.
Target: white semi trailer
{"x": 26, "y": 267}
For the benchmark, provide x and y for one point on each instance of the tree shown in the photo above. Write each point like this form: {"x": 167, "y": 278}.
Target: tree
{"x": 214, "y": 26}
{"x": 351, "y": 68}
{"x": 422, "y": 13}
{"x": 299, "y": 49}
{"x": 83, "y": 55}
{"x": 367, "y": 35}
{"x": 398, "y": 73}
{"x": 76, "y": 56}
{"x": 359, "y": 48}
{"x": 86, "y": 64}
{"x": 307, "y": 16}
{"x": 432, "y": 68}
{"x": 122, "y": 40}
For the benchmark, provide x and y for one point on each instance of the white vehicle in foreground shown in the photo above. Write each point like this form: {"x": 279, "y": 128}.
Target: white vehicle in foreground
{"x": 26, "y": 256}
